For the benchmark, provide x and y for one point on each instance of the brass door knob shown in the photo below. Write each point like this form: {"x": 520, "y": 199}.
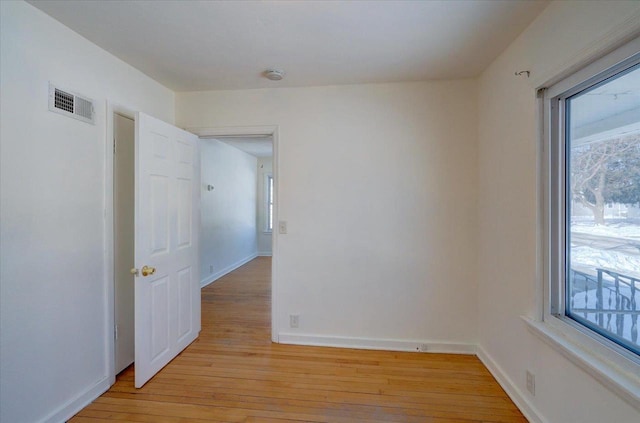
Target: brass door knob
{"x": 148, "y": 270}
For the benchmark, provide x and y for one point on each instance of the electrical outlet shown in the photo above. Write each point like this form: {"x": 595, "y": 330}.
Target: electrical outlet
{"x": 211, "y": 269}
{"x": 422, "y": 348}
{"x": 531, "y": 383}
{"x": 294, "y": 320}
{"x": 282, "y": 227}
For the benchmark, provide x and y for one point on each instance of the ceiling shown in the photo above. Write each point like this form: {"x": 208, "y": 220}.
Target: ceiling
{"x": 613, "y": 98}
{"x": 213, "y": 45}
{"x": 608, "y": 110}
{"x": 258, "y": 146}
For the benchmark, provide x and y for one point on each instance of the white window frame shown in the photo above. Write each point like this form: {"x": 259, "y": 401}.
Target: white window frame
{"x": 267, "y": 210}
{"x": 613, "y": 365}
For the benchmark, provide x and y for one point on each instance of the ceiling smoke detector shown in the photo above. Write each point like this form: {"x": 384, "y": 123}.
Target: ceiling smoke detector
{"x": 273, "y": 74}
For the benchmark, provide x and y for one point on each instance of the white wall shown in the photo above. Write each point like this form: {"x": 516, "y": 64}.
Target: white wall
{"x": 566, "y": 33}
{"x": 53, "y": 317}
{"x": 265, "y": 168}
{"x": 228, "y": 221}
{"x": 378, "y": 186}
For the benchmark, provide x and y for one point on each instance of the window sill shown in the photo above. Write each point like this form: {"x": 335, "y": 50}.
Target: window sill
{"x": 267, "y": 232}
{"x": 622, "y": 381}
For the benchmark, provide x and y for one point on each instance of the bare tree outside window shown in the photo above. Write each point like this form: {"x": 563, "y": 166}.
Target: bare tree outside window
{"x": 606, "y": 172}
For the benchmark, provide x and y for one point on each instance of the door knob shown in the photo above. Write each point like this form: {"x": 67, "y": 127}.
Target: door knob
{"x": 148, "y": 270}
{"x": 134, "y": 271}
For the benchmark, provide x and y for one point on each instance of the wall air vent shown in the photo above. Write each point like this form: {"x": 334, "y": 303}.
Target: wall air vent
{"x": 71, "y": 105}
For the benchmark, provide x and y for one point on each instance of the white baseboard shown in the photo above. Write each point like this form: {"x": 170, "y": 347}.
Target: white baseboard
{"x": 520, "y": 400}
{"x": 214, "y": 277}
{"x": 264, "y": 254}
{"x": 376, "y": 344}
{"x": 68, "y": 410}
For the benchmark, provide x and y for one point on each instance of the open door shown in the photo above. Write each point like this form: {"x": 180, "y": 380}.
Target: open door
{"x": 167, "y": 214}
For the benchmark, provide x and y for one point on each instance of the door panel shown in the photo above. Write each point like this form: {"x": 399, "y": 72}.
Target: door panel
{"x": 167, "y": 315}
{"x": 184, "y": 213}
{"x": 159, "y": 214}
{"x": 159, "y": 307}
{"x": 184, "y": 303}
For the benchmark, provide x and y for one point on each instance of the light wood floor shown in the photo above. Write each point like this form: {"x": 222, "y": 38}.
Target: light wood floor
{"x": 233, "y": 373}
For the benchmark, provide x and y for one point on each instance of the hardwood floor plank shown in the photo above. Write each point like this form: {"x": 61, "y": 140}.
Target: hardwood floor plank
{"x": 233, "y": 373}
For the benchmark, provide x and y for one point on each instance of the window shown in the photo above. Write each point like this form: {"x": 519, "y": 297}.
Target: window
{"x": 269, "y": 203}
{"x": 593, "y": 194}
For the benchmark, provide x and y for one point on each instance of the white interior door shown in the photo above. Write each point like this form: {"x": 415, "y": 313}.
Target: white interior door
{"x": 167, "y": 214}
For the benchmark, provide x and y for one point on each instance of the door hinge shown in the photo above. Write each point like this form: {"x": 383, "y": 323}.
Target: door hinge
{"x": 115, "y": 333}
{"x": 114, "y": 146}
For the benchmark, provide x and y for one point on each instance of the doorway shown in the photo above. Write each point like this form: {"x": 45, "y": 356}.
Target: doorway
{"x": 253, "y": 132}
{"x": 123, "y": 235}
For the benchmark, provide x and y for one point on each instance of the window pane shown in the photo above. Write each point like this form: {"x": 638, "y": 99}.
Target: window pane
{"x": 603, "y": 208}
{"x": 270, "y": 204}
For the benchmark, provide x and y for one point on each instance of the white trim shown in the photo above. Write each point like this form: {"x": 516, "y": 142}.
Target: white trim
{"x": 71, "y": 407}
{"x": 212, "y": 278}
{"x": 209, "y": 132}
{"x": 377, "y": 343}
{"x": 273, "y": 131}
{"x": 520, "y": 400}
{"x": 264, "y": 254}
{"x": 275, "y": 171}
{"x": 625, "y": 383}
{"x": 541, "y": 201}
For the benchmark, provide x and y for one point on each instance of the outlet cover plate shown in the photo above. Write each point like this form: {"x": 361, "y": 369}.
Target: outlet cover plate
{"x": 531, "y": 383}
{"x": 294, "y": 320}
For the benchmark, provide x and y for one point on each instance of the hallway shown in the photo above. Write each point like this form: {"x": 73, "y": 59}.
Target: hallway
{"x": 233, "y": 373}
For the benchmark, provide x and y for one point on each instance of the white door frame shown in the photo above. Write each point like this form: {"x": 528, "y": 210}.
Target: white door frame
{"x": 208, "y": 132}
{"x": 109, "y": 274}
